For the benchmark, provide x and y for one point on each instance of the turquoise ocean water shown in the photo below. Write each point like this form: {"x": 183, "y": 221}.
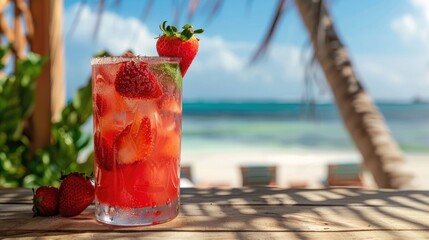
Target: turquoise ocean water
{"x": 293, "y": 125}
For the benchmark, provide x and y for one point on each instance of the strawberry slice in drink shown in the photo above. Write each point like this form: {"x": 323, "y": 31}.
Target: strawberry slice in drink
{"x": 106, "y": 103}
{"x": 105, "y": 73}
{"x": 170, "y": 111}
{"x": 169, "y": 145}
{"x": 101, "y": 105}
{"x": 103, "y": 149}
{"x": 170, "y": 104}
{"x": 135, "y": 142}
{"x": 115, "y": 148}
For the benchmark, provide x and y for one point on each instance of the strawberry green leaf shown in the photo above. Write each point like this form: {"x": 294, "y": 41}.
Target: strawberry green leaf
{"x": 186, "y": 34}
{"x": 186, "y": 26}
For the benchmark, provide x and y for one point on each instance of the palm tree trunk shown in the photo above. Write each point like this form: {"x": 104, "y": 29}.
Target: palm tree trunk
{"x": 361, "y": 117}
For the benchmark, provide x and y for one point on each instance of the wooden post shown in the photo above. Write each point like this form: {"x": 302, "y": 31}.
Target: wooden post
{"x": 47, "y": 41}
{"x": 57, "y": 60}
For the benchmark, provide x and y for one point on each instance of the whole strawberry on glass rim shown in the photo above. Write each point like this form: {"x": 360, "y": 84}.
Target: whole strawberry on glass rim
{"x": 182, "y": 44}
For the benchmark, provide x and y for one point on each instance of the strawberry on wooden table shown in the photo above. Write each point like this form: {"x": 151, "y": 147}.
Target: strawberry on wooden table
{"x": 182, "y": 44}
{"x": 45, "y": 201}
{"x": 76, "y": 194}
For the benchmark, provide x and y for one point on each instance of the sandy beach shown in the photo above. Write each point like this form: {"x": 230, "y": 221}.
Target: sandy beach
{"x": 221, "y": 167}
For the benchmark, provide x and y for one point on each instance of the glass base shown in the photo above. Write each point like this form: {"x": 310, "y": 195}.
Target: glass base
{"x": 136, "y": 216}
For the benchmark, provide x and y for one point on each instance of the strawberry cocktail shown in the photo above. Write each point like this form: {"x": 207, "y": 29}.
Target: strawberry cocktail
{"x": 137, "y": 131}
{"x": 137, "y": 106}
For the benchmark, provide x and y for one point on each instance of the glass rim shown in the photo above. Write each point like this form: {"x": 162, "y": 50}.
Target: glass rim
{"x": 119, "y": 59}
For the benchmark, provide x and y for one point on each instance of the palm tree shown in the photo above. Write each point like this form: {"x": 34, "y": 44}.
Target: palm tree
{"x": 361, "y": 117}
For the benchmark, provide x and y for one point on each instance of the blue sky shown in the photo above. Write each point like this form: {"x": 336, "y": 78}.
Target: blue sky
{"x": 387, "y": 41}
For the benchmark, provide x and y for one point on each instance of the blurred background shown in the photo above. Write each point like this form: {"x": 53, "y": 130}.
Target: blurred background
{"x": 254, "y": 96}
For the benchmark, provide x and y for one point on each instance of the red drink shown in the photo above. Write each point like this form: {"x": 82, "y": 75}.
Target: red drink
{"x": 137, "y": 104}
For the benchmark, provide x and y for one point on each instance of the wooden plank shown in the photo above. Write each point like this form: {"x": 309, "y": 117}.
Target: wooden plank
{"x": 264, "y": 218}
{"x": 374, "y": 235}
{"x": 274, "y": 196}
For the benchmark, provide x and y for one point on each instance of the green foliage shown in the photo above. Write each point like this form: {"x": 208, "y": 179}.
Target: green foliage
{"x": 19, "y": 166}
{"x": 67, "y": 141}
{"x": 16, "y": 105}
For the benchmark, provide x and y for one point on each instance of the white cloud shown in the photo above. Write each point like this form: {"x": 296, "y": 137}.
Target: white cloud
{"x": 398, "y": 78}
{"x": 372, "y": 69}
{"x": 222, "y": 70}
{"x": 233, "y": 57}
{"x": 116, "y": 33}
{"x": 291, "y": 60}
{"x": 423, "y": 6}
{"x": 413, "y": 29}
{"x": 405, "y": 26}
{"x": 218, "y": 54}
{"x": 414, "y": 26}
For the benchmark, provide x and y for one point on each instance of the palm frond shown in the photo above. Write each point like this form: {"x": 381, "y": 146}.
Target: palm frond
{"x": 101, "y": 6}
{"x": 215, "y": 8}
{"x": 192, "y": 7}
{"x": 321, "y": 35}
{"x": 281, "y": 6}
{"x": 76, "y": 18}
{"x": 146, "y": 10}
{"x": 177, "y": 11}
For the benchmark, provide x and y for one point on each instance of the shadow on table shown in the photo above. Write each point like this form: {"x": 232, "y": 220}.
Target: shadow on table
{"x": 324, "y": 210}
{"x": 242, "y": 212}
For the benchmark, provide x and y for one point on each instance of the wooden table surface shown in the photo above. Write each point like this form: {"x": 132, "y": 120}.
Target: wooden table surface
{"x": 245, "y": 213}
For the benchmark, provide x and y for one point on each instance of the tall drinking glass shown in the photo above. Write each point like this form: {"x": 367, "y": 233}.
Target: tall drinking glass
{"x": 137, "y": 106}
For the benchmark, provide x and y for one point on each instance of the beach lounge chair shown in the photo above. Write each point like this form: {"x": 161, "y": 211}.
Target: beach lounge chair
{"x": 345, "y": 174}
{"x": 259, "y": 175}
{"x": 185, "y": 172}
{"x": 186, "y": 180}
